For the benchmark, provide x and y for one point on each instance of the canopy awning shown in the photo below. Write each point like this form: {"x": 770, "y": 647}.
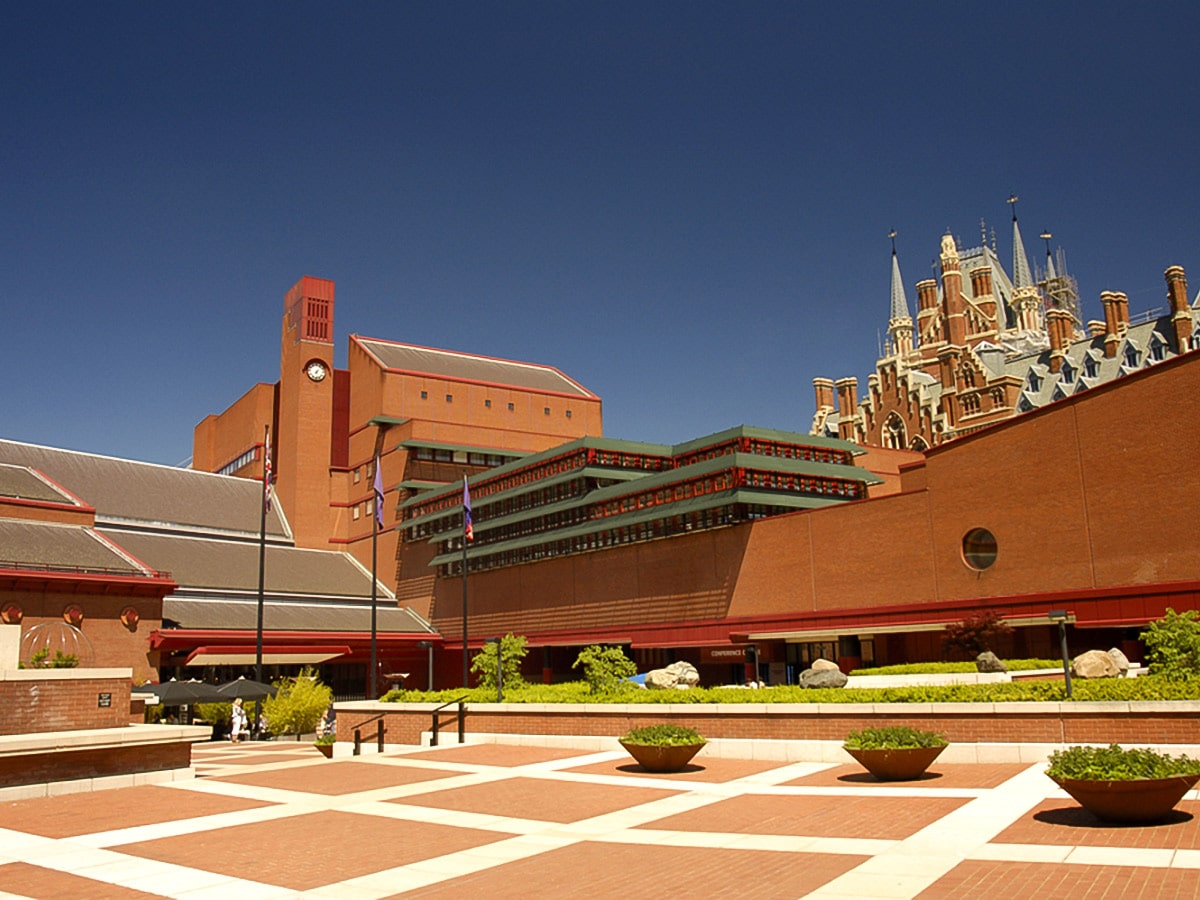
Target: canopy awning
{"x": 276, "y": 655}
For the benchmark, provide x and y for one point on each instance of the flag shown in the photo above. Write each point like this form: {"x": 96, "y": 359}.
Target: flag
{"x": 378, "y": 494}
{"x": 468, "y": 530}
{"x": 267, "y": 471}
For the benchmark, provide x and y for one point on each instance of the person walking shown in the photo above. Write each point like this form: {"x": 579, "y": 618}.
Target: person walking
{"x": 237, "y": 723}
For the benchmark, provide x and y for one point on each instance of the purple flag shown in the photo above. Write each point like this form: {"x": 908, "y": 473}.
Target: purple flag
{"x": 378, "y": 494}
{"x": 468, "y": 530}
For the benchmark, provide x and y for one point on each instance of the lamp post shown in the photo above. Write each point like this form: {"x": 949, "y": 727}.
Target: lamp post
{"x": 428, "y": 647}
{"x": 1060, "y": 616}
{"x": 499, "y": 668}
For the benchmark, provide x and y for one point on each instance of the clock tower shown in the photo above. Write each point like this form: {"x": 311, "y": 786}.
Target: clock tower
{"x": 305, "y": 417}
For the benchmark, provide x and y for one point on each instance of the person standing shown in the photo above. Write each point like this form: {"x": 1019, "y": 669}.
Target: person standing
{"x": 237, "y": 724}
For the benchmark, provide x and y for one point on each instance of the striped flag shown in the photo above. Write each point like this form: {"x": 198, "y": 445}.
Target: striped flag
{"x": 378, "y": 494}
{"x": 468, "y": 529}
{"x": 267, "y": 471}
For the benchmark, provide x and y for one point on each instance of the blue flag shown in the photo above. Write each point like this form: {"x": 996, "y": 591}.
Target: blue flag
{"x": 378, "y": 494}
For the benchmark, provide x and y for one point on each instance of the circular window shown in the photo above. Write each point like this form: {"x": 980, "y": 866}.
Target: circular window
{"x": 979, "y": 548}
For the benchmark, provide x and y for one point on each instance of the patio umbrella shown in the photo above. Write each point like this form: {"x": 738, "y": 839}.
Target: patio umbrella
{"x": 184, "y": 693}
{"x": 247, "y": 689}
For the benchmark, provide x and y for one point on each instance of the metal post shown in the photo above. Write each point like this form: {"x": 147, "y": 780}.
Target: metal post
{"x": 428, "y": 647}
{"x": 1062, "y": 636}
{"x": 379, "y": 735}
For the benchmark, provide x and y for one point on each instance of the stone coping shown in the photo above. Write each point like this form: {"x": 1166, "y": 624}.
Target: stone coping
{"x": 76, "y": 674}
{"x": 99, "y": 738}
{"x": 1033, "y": 708}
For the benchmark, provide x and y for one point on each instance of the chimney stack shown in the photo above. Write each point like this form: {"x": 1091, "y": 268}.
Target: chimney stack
{"x": 1181, "y": 314}
{"x": 847, "y": 393}
{"x": 1112, "y": 322}
{"x": 823, "y": 389}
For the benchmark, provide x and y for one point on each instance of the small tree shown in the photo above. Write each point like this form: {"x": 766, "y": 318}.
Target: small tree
{"x": 298, "y": 704}
{"x": 975, "y": 633}
{"x": 1173, "y": 645}
{"x": 513, "y": 651}
{"x": 604, "y": 667}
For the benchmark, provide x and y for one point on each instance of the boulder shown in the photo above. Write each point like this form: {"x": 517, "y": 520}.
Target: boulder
{"x": 685, "y": 673}
{"x": 823, "y": 665}
{"x": 661, "y": 680}
{"x": 1121, "y": 660}
{"x": 822, "y": 678}
{"x": 1094, "y": 664}
{"x": 987, "y": 661}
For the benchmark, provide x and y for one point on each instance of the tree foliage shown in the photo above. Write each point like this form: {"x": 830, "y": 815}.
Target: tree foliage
{"x": 512, "y": 650}
{"x": 298, "y": 705}
{"x": 604, "y": 667}
{"x": 976, "y": 633}
{"x": 1173, "y": 645}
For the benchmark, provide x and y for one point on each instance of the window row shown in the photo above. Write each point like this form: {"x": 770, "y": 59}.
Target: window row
{"x": 512, "y": 407}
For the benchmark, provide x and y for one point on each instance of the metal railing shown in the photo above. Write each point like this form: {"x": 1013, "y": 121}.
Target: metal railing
{"x": 379, "y": 732}
{"x": 462, "y": 720}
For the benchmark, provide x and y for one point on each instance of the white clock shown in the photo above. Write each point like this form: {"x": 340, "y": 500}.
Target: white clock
{"x": 316, "y": 370}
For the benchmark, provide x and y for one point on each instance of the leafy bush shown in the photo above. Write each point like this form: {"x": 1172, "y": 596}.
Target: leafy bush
{"x": 298, "y": 704}
{"x": 513, "y": 651}
{"x": 663, "y": 735}
{"x": 1113, "y": 763}
{"x": 604, "y": 667}
{"x": 928, "y": 668}
{"x": 893, "y": 737}
{"x": 975, "y": 633}
{"x": 217, "y": 713}
{"x": 326, "y": 739}
{"x": 1173, "y": 645}
{"x": 43, "y": 660}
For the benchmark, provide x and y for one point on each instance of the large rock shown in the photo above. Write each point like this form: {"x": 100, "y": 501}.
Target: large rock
{"x": 1120, "y": 659}
{"x": 987, "y": 661}
{"x": 1094, "y": 664}
{"x": 685, "y": 673}
{"x": 824, "y": 665}
{"x": 661, "y": 680}
{"x": 822, "y": 678}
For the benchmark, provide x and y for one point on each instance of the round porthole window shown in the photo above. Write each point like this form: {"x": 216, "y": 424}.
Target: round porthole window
{"x": 979, "y": 548}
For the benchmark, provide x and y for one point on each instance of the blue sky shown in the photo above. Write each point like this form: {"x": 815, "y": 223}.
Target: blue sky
{"x": 684, "y": 206}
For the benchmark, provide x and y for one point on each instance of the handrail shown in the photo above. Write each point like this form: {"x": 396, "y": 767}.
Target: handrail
{"x": 379, "y": 731}
{"x": 433, "y": 739}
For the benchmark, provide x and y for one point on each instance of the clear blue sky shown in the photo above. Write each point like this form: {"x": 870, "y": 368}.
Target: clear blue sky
{"x": 684, "y": 206}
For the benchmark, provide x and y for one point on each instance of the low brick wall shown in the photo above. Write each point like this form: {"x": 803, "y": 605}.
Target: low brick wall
{"x": 43, "y": 700}
{"x": 1044, "y": 723}
{"x": 71, "y": 765}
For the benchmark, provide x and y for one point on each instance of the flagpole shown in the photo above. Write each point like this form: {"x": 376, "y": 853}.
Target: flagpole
{"x": 262, "y": 548}
{"x": 372, "y": 677}
{"x": 466, "y": 537}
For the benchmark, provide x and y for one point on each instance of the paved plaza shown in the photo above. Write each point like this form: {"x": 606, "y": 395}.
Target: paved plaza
{"x": 492, "y": 820}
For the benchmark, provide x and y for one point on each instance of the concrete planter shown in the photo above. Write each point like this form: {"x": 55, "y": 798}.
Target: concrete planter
{"x": 654, "y": 758}
{"x": 1138, "y": 800}
{"x": 897, "y": 763}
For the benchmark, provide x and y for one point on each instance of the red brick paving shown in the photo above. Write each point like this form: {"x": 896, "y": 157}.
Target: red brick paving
{"x": 498, "y": 754}
{"x": 27, "y": 880}
{"x": 1025, "y": 880}
{"x": 940, "y": 776}
{"x": 246, "y": 759}
{"x": 597, "y": 870}
{"x": 1065, "y": 822}
{"x": 307, "y": 851}
{"x": 335, "y": 778}
{"x": 712, "y": 770}
{"x": 884, "y": 818}
{"x": 534, "y": 798}
{"x": 74, "y": 814}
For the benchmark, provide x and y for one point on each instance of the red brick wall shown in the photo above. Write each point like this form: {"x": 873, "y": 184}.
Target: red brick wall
{"x": 71, "y": 765}
{"x": 54, "y": 704}
{"x": 1023, "y": 723}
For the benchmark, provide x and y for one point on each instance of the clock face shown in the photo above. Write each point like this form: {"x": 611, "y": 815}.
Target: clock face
{"x": 316, "y": 370}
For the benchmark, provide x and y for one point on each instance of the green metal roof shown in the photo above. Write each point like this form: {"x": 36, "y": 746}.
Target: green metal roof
{"x": 464, "y": 448}
{"x": 767, "y": 434}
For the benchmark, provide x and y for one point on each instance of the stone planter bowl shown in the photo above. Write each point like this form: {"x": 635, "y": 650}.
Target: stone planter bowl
{"x": 655, "y": 758}
{"x": 897, "y": 763}
{"x": 1138, "y": 800}
{"x": 326, "y": 749}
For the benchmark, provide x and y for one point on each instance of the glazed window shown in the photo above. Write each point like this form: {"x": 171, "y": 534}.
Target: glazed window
{"x": 979, "y": 548}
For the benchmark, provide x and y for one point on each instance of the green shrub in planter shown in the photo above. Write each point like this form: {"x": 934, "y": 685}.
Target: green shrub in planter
{"x": 326, "y": 739}
{"x": 893, "y": 737}
{"x": 663, "y": 736}
{"x": 1114, "y": 763}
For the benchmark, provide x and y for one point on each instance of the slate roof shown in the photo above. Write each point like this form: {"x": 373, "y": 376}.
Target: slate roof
{"x": 29, "y": 544}
{"x": 468, "y": 367}
{"x": 22, "y": 483}
{"x": 124, "y": 490}
{"x": 241, "y": 614}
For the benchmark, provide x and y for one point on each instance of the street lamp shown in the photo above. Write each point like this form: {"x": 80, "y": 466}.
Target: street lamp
{"x": 499, "y": 668}
{"x": 1059, "y": 617}
{"x": 428, "y": 645}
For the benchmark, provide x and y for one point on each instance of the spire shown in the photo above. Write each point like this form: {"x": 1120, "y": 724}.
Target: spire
{"x": 899, "y": 300}
{"x": 1050, "y": 273}
{"x": 1020, "y": 276}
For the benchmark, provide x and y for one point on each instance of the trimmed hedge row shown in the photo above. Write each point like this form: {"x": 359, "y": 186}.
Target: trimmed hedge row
{"x": 942, "y": 668}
